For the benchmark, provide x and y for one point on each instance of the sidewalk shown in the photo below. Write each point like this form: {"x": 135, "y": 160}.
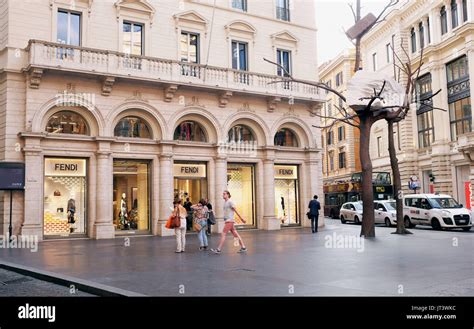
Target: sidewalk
{"x": 278, "y": 263}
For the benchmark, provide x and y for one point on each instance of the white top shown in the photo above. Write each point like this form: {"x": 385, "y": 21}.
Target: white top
{"x": 228, "y": 211}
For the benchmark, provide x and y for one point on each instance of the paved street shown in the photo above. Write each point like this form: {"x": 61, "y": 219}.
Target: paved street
{"x": 18, "y": 285}
{"x": 277, "y": 264}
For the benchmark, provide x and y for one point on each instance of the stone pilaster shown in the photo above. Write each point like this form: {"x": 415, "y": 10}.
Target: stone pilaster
{"x": 270, "y": 222}
{"x": 220, "y": 186}
{"x": 103, "y": 225}
{"x": 166, "y": 192}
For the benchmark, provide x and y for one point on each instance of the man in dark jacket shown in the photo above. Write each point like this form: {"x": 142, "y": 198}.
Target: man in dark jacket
{"x": 314, "y": 208}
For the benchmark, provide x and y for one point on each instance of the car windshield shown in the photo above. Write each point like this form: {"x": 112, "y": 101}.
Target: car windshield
{"x": 358, "y": 206}
{"x": 391, "y": 206}
{"x": 444, "y": 203}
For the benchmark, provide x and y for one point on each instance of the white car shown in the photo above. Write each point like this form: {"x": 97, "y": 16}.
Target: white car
{"x": 438, "y": 210}
{"x": 351, "y": 211}
{"x": 385, "y": 212}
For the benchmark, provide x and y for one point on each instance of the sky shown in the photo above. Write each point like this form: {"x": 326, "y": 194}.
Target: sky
{"x": 334, "y": 15}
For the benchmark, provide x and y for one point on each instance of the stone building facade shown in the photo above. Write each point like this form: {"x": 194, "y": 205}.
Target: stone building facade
{"x": 119, "y": 107}
{"x": 433, "y": 145}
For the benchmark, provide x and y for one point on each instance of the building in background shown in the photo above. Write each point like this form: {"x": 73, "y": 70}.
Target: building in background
{"x": 436, "y": 146}
{"x": 119, "y": 107}
{"x": 340, "y": 142}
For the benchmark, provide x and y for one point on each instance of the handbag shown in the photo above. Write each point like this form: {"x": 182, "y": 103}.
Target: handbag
{"x": 169, "y": 222}
{"x": 197, "y": 227}
{"x": 175, "y": 222}
{"x": 211, "y": 219}
{"x": 308, "y": 214}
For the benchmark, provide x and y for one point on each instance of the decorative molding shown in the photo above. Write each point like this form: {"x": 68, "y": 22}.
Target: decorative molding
{"x": 195, "y": 102}
{"x": 242, "y": 28}
{"x": 107, "y": 84}
{"x": 72, "y": 4}
{"x": 224, "y": 98}
{"x": 169, "y": 92}
{"x": 190, "y": 17}
{"x": 284, "y": 36}
{"x": 246, "y": 108}
{"x": 272, "y": 103}
{"x": 137, "y": 96}
{"x": 35, "y": 78}
{"x": 291, "y": 113}
{"x": 315, "y": 108}
{"x": 137, "y": 6}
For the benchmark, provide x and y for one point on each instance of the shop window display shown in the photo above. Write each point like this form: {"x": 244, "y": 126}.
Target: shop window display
{"x": 133, "y": 127}
{"x": 241, "y": 185}
{"x": 239, "y": 134}
{"x": 286, "y": 137}
{"x": 67, "y": 122}
{"x": 190, "y": 131}
{"x": 131, "y": 195}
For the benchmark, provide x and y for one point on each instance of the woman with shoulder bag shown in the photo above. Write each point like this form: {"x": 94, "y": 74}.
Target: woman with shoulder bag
{"x": 180, "y": 230}
{"x": 211, "y": 219}
{"x": 200, "y": 223}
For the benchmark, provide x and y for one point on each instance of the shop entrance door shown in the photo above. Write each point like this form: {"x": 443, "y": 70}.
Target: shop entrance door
{"x": 286, "y": 195}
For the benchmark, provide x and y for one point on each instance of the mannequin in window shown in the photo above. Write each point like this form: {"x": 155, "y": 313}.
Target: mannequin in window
{"x": 123, "y": 212}
{"x": 71, "y": 211}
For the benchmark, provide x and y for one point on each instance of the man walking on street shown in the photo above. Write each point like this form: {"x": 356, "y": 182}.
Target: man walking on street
{"x": 314, "y": 208}
{"x": 229, "y": 210}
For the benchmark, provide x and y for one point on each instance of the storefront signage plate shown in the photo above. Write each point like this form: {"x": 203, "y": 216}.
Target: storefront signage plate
{"x": 189, "y": 170}
{"x": 12, "y": 176}
{"x": 65, "y": 167}
{"x": 286, "y": 172}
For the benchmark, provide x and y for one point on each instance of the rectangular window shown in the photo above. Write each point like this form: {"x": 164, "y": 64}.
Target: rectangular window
{"x": 425, "y": 129}
{"x": 444, "y": 20}
{"x": 329, "y": 109}
{"x": 329, "y": 137}
{"x": 189, "y": 54}
{"x": 454, "y": 14}
{"x": 331, "y": 161}
{"x": 283, "y": 10}
{"x": 457, "y": 69}
{"x": 460, "y": 117}
{"x": 379, "y": 146}
{"x": 69, "y": 28}
{"x": 239, "y": 4}
{"x": 388, "y": 50}
{"x": 374, "y": 61}
{"x": 428, "y": 32}
{"x": 464, "y": 10}
{"x": 339, "y": 79}
{"x": 283, "y": 59}
{"x": 132, "y": 42}
{"x": 342, "y": 160}
{"x": 239, "y": 56}
{"x": 413, "y": 40}
{"x": 421, "y": 31}
{"x": 341, "y": 133}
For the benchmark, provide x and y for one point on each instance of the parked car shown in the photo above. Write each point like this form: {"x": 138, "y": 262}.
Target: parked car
{"x": 385, "y": 212}
{"x": 438, "y": 210}
{"x": 351, "y": 211}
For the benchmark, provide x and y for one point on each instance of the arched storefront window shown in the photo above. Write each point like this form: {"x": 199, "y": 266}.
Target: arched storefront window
{"x": 239, "y": 134}
{"x": 133, "y": 127}
{"x": 286, "y": 137}
{"x": 67, "y": 122}
{"x": 190, "y": 131}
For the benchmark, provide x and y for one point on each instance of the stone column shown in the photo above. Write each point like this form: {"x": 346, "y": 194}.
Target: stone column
{"x": 220, "y": 165}
{"x": 440, "y": 118}
{"x": 426, "y": 30}
{"x": 103, "y": 225}
{"x": 315, "y": 184}
{"x": 470, "y": 59}
{"x": 33, "y": 222}
{"x": 270, "y": 221}
{"x": 166, "y": 192}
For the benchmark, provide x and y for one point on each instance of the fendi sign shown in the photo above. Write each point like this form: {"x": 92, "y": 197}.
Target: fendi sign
{"x": 286, "y": 172}
{"x": 189, "y": 170}
{"x": 65, "y": 167}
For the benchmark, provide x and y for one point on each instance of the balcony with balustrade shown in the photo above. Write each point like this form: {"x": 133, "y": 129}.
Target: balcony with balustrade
{"x": 170, "y": 74}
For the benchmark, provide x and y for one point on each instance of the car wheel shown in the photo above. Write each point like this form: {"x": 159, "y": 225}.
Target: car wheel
{"x": 435, "y": 224}
{"x": 343, "y": 220}
{"x": 465, "y": 229}
{"x": 356, "y": 220}
{"x": 407, "y": 222}
{"x": 387, "y": 222}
